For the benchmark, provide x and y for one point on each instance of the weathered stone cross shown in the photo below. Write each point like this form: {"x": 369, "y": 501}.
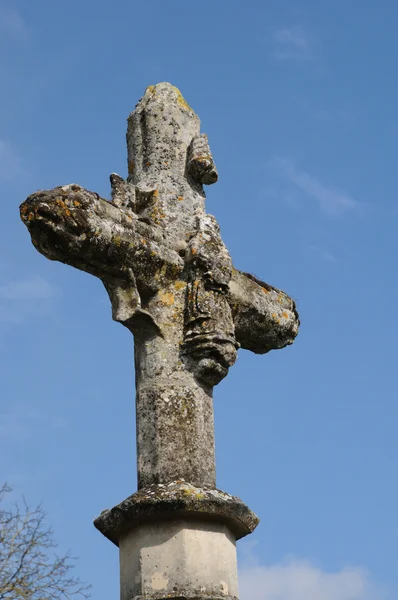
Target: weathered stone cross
{"x": 171, "y": 282}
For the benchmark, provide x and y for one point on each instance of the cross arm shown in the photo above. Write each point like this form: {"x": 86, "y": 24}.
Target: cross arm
{"x": 265, "y": 318}
{"x": 77, "y": 227}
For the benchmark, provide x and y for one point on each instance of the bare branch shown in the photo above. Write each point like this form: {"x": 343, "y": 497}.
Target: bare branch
{"x": 29, "y": 570}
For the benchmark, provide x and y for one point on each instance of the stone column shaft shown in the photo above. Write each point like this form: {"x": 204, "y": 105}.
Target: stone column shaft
{"x": 175, "y": 422}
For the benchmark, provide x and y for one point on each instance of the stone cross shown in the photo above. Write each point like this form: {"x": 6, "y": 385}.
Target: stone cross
{"x": 171, "y": 282}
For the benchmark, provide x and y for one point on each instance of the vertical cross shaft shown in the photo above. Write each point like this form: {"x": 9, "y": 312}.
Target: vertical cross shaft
{"x": 175, "y": 430}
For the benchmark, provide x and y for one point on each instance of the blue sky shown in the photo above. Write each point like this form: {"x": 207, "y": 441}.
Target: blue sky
{"x": 299, "y": 103}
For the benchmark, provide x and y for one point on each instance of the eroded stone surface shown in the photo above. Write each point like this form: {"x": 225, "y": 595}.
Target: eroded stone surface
{"x": 171, "y": 282}
{"x": 158, "y": 252}
{"x": 177, "y": 499}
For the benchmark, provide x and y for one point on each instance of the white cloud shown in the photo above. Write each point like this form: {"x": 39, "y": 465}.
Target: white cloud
{"x": 331, "y": 200}
{"x": 26, "y": 297}
{"x": 12, "y": 24}
{"x": 10, "y": 163}
{"x": 301, "y": 580}
{"x": 292, "y": 43}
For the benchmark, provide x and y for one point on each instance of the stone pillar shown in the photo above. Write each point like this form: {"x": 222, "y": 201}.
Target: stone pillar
{"x": 178, "y": 541}
{"x": 186, "y": 557}
{"x": 171, "y": 282}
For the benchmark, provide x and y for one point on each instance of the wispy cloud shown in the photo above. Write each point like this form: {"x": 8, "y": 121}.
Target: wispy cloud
{"x": 34, "y": 288}
{"x": 301, "y": 580}
{"x": 12, "y": 24}
{"x": 330, "y": 200}
{"x": 292, "y": 43}
{"x": 323, "y": 254}
{"x": 21, "y": 422}
{"x": 10, "y": 163}
{"x": 20, "y": 299}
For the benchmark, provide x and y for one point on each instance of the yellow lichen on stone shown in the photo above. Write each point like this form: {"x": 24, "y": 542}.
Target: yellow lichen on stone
{"x": 181, "y": 100}
{"x": 157, "y": 214}
{"x": 117, "y": 240}
{"x": 167, "y": 298}
{"x": 179, "y": 285}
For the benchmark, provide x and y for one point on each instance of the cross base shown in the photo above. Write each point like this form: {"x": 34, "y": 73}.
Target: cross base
{"x": 178, "y": 541}
{"x": 177, "y": 499}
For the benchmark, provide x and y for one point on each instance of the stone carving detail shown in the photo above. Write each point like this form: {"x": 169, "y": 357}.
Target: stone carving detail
{"x": 209, "y": 331}
{"x": 161, "y": 258}
{"x": 171, "y": 282}
{"x": 209, "y": 336}
{"x": 200, "y": 161}
{"x": 155, "y": 229}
